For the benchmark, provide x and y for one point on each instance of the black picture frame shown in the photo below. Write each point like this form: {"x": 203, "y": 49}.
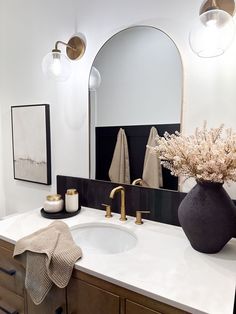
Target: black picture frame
{"x": 31, "y": 143}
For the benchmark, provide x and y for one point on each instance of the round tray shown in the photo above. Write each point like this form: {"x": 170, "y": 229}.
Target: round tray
{"x": 60, "y": 215}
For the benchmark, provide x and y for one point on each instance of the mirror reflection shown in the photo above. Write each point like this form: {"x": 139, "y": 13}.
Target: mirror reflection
{"x": 135, "y": 92}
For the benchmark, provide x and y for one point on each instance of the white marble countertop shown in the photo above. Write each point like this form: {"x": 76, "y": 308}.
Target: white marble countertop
{"x": 162, "y": 265}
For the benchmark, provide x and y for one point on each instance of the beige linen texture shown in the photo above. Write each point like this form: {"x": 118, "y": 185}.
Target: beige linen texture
{"x": 152, "y": 172}
{"x": 48, "y": 256}
{"x": 119, "y": 171}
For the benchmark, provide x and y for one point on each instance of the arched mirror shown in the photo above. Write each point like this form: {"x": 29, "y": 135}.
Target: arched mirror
{"x": 135, "y": 84}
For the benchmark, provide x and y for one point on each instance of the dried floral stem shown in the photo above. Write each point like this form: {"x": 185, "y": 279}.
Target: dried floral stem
{"x": 206, "y": 155}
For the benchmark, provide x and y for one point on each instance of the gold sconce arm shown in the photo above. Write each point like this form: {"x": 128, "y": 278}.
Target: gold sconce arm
{"x": 57, "y": 65}
{"x": 225, "y": 5}
{"x": 75, "y": 47}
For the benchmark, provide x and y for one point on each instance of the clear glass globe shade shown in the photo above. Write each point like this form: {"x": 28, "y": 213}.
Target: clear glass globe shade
{"x": 212, "y": 34}
{"x": 94, "y": 79}
{"x": 57, "y": 66}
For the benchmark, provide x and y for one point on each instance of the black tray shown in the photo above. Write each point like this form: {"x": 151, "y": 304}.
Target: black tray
{"x": 60, "y": 215}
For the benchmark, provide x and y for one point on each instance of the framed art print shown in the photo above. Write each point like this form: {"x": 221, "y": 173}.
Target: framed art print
{"x": 31, "y": 143}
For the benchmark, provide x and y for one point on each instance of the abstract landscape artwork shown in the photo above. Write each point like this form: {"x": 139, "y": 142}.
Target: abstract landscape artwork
{"x": 31, "y": 143}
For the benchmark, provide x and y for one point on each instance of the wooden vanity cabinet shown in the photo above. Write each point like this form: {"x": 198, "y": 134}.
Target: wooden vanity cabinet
{"x": 135, "y": 308}
{"x": 85, "y": 298}
{"x": 87, "y": 294}
{"x": 13, "y": 296}
{"x": 54, "y": 303}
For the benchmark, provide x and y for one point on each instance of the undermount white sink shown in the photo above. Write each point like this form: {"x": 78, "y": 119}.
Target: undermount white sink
{"x": 102, "y": 238}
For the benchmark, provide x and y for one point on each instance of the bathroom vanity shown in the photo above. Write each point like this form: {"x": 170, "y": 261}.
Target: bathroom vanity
{"x": 158, "y": 273}
{"x": 85, "y": 294}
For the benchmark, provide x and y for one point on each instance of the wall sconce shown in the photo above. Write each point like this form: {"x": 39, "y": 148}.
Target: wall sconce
{"x": 214, "y": 31}
{"x": 57, "y": 65}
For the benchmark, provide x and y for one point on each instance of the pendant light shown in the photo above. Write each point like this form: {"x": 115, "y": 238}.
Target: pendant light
{"x": 56, "y": 65}
{"x": 214, "y": 31}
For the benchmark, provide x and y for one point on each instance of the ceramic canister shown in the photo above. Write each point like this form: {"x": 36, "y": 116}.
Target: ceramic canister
{"x": 72, "y": 200}
{"x": 53, "y": 204}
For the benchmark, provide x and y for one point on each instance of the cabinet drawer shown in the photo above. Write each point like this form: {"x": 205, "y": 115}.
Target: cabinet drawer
{"x": 10, "y": 302}
{"x": 134, "y": 308}
{"x": 84, "y": 298}
{"x": 54, "y": 303}
{"x": 11, "y": 272}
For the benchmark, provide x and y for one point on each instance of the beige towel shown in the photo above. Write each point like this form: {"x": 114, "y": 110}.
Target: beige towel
{"x": 119, "y": 170}
{"x": 48, "y": 256}
{"x": 152, "y": 172}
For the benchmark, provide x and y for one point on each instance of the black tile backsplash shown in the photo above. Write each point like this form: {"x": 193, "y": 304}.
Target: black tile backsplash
{"x": 163, "y": 204}
{"x": 137, "y": 137}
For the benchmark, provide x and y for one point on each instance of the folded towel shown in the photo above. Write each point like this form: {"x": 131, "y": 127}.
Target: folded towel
{"x": 119, "y": 170}
{"x": 152, "y": 172}
{"x": 48, "y": 256}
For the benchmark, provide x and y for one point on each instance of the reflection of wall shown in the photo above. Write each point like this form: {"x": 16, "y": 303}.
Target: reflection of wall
{"x": 141, "y": 75}
{"x": 28, "y": 30}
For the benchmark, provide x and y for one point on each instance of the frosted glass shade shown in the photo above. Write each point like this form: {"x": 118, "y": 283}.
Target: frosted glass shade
{"x": 212, "y": 34}
{"x": 57, "y": 66}
{"x": 94, "y": 79}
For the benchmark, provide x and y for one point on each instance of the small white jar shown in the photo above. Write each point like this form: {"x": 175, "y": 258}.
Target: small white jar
{"x": 71, "y": 200}
{"x": 53, "y": 204}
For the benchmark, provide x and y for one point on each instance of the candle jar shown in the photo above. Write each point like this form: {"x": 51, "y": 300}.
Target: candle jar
{"x": 71, "y": 200}
{"x": 53, "y": 204}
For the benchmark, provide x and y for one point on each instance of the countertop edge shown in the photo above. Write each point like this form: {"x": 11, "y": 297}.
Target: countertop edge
{"x": 138, "y": 290}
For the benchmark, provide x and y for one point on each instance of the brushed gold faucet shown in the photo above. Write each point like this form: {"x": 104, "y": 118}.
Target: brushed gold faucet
{"x": 122, "y": 200}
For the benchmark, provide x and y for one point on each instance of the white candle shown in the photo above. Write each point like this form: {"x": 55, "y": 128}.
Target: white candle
{"x": 53, "y": 204}
{"x": 71, "y": 200}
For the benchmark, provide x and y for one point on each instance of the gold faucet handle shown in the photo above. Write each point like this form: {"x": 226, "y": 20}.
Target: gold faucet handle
{"x": 108, "y": 210}
{"x": 139, "y": 213}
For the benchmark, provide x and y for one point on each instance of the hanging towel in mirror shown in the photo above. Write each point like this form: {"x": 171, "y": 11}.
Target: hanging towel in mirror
{"x": 119, "y": 170}
{"x": 48, "y": 256}
{"x": 152, "y": 172}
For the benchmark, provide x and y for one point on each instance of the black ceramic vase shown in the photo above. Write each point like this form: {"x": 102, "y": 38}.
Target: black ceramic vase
{"x": 208, "y": 217}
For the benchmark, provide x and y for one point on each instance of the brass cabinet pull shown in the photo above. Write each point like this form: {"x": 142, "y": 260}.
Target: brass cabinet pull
{"x": 59, "y": 310}
{"x": 139, "y": 213}
{"x": 10, "y": 272}
{"x": 4, "y": 308}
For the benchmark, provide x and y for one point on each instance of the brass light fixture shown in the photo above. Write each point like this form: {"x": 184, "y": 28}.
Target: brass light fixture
{"x": 57, "y": 65}
{"x": 214, "y": 31}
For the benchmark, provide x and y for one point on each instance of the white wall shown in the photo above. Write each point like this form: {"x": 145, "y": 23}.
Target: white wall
{"x": 30, "y": 29}
{"x": 2, "y": 190}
